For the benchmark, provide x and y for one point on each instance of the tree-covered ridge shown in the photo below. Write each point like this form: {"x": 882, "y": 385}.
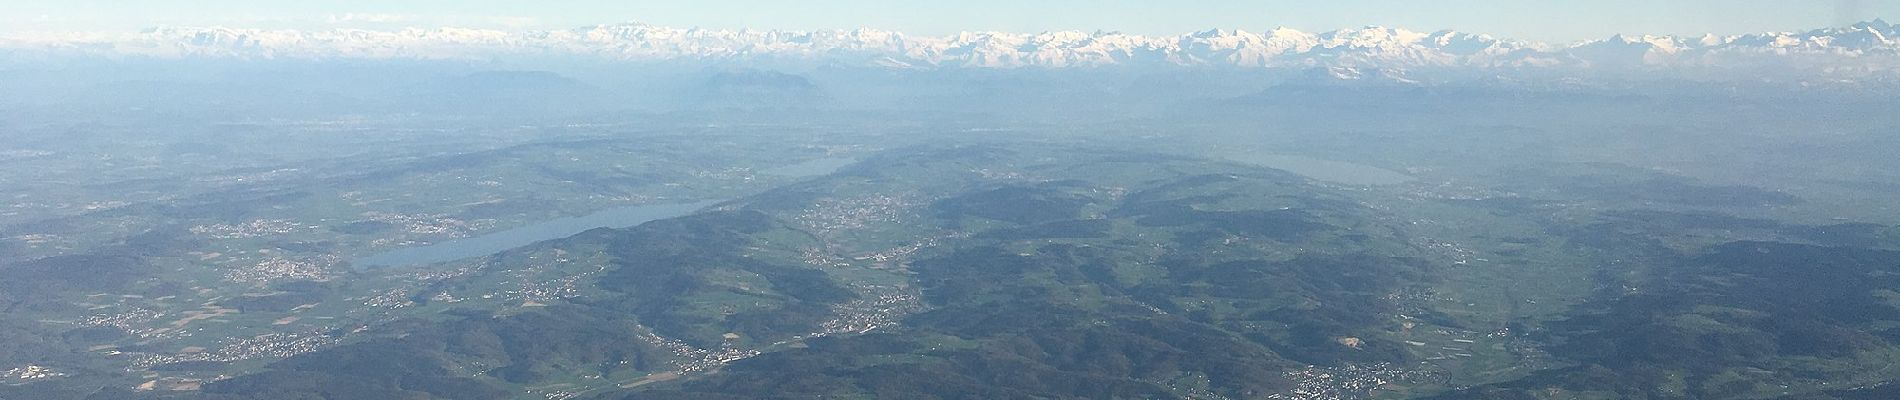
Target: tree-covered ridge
{"x": 1114, "y": 276}
{"x": 1729, "y": 321}
{"x": 1029, "y": 271}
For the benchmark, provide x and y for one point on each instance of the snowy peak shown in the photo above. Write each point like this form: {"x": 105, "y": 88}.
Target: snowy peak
{"x": 1876, "y": 24}
{"x": 1370, "y": 37}
{"x": 1868, "y": 46}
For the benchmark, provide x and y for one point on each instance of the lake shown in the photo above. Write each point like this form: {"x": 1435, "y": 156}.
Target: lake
{"x": 818, "y": 167}
{"x": 565, "y": 227}
{"x": 546, "y": 230}
{"x": 1326, "y": 170}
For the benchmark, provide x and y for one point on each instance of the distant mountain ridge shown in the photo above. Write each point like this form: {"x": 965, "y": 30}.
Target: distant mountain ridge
{"x": 1871, "y": 47}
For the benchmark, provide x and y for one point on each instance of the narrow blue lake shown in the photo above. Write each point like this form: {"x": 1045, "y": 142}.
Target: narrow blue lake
{"x": 1325, "y": 170}
{"x": 818, "y": 167}
{"x": 546, "y": 230}
{"x": 564, "y": 227}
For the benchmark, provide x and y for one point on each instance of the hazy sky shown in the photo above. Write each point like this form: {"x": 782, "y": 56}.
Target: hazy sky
{"x": 1535, "y": 20}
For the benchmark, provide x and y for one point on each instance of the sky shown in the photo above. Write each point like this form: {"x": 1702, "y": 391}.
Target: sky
{"x": 1549, "y": 20}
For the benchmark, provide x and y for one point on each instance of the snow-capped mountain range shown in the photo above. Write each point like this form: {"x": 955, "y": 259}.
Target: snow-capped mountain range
{"x": 1868, "y": 47}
